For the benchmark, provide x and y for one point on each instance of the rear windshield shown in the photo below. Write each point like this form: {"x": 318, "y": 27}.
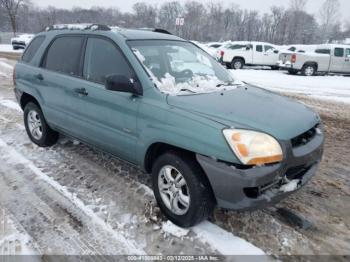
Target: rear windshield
{"x": 32, "y": 49}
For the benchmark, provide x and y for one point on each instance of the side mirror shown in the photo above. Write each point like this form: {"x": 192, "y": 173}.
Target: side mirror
{"x": 121, "y": 83}
{"x": 276, "y": 51}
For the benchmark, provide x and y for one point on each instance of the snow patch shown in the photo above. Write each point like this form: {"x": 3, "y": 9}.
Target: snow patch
{"x": 9, "y": 48}
{"x": 18, "y": 158}
{"x": 10, "y": 104}
{"x": 291, "y": 186}
{"x": 225, "y": 242}
{"x": 172, "y": 229}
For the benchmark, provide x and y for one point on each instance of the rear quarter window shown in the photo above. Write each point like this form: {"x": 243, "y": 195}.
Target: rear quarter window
{"x": 64, "y": 55}
{"x": 323, "y": 51}
{"x": 32, "y": 49}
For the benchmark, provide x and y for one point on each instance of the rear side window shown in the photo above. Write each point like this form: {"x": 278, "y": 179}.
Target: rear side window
{"x": 32, "y": 49}
{"x": 64, "y": 55}
{"x": 323, "y": 51}
{"x": 347, "y": 54}
{"x": 236, "y": 47}
{"x": 259, "y": 48}
{"x": 103, "y": 58}
{"x": 339, "y": 52}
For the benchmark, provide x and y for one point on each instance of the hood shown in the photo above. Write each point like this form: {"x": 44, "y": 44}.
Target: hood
{"x": 253, "y": 108}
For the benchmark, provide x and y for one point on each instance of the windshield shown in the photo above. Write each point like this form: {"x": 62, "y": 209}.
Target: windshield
{"x": 180, "y": 68}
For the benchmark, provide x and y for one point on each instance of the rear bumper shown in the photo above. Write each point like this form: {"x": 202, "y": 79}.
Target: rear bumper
{"x": 255, "y": 188}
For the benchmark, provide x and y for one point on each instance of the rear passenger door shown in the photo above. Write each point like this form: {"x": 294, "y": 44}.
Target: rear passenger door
{"x": 105, "y": 118}
{"x": 338, "y": 60}
{"x": 60, "y": 72}
{"x": 258, "y": 55}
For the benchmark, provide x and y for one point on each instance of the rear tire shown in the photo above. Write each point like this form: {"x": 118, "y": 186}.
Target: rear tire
{"x": 37, "y": 128}
{"x": 292, "y": 71}
{"x": 237, "y": 63}
{"x": 194, "y": 188}
{"x": 309, "y": 70}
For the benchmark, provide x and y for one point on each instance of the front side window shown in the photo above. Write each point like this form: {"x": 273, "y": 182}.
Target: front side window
{"x": 178, "y": 67}
{"x": 103, "y": 58}
{"x": 339, "y": 52}
{"x": 32, "y": 49}
{"x": 259, "y": 48}
{"x": 268, "y": 47}
{"x": 64, "y": 55}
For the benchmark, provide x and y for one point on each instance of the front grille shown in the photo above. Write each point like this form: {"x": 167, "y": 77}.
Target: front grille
{"x": 304, "y": 138}
{"x": 297, "y": 172}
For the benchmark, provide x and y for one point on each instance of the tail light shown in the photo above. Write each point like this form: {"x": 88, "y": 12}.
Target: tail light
{"x": 294, "y": 58}
{"x": 14, "y": 75}
{"x": 222, "y": 53}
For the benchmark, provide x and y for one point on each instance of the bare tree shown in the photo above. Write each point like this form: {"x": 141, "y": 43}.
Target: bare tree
{"x": 11, "y": 7}
{"x": 329, "y": 14}
{"x": 298, "y": 5}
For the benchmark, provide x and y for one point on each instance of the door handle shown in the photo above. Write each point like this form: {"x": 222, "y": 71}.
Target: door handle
{"x": 39, "y": 77}
{"x": 81, "y": 91}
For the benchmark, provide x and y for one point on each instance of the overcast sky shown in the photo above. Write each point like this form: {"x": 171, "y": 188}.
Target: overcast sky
{"x": 313, "y": 6}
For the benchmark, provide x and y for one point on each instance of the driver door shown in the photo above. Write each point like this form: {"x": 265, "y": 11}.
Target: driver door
{"x": 270, "y": 57}
{"x": 105, "y": 118}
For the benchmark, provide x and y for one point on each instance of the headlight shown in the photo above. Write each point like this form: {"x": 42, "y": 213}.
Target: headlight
{"x": 253, "y": 148}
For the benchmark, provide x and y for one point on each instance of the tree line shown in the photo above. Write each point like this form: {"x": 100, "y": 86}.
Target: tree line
{"x": 212, "y": 21}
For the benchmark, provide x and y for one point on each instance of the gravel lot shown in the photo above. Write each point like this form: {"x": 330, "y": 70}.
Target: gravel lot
{"x": 72, "y": 199}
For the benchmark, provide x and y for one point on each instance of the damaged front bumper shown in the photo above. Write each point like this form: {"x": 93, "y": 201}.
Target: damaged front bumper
{"x": 240, "y": 188}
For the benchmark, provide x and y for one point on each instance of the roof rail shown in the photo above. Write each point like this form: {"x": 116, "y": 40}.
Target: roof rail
{"x": 92, "y": 27}
{"x": 157, "y": 30}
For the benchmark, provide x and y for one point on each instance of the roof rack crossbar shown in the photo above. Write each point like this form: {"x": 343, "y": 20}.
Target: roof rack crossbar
{"x": 92, "y": 27}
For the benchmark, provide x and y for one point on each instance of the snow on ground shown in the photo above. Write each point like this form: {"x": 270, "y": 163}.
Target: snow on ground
{"x": 8, "y": 48}
{"x": 5, "y": 68}
{"x": 224, "y": 241}
{"x": 13, "y": 239}
{"x": 333, "y": 88}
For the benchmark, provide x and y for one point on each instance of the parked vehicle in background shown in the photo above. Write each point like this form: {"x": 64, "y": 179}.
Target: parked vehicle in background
{"x": 21, "y": 41}
{"x": 236, "y": 55}
{"x": 206, "y": 48}
{"x": 299, "y": 48}
{"x": 331, "y": 58}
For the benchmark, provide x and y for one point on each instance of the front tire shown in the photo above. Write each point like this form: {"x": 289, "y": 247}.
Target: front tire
{"x": 237, "y": 63}
{"x": 37, "y": 128}
{"x": 181, "y": 189}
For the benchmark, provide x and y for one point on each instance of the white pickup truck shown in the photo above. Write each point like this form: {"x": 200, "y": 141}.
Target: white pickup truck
{"x": 330, "y": 58}
{"x": 237, "y": 54}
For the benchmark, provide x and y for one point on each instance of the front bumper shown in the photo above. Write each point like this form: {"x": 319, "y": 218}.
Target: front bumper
{"x": 253, "y": 188}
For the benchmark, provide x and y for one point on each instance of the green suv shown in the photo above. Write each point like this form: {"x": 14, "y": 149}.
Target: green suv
{"x": 166, "y": 106}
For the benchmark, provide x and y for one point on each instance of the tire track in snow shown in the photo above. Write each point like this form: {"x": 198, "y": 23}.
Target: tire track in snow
{"x": 129, "y": 244}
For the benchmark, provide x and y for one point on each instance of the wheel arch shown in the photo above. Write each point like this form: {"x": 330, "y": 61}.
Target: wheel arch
{"x": 239, "y": 57}
{"x": 26, "y": 98}
{"x": 311, "y": 63}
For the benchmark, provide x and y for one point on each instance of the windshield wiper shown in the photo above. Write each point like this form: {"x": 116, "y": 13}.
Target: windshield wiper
{"x": 227, "y": 84}
{"x": 189, "y": 90}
